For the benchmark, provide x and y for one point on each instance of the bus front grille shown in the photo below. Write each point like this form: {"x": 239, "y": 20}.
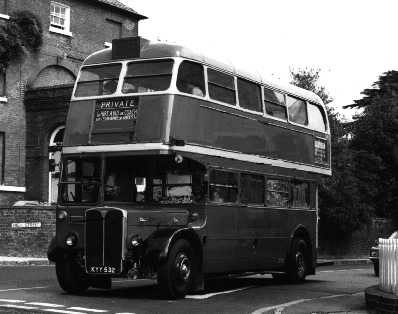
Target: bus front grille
{"x": 104, "y": 241}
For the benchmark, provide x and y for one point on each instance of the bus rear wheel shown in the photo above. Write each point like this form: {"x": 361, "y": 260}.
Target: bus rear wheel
{"x": 175, "y": 275}
{"x": 297, "y": 263}
{"x": 71, "y": 277}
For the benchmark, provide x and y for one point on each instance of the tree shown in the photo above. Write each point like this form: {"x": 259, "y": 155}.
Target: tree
{"x": 375, "y": 145}
{"x": 341, "y": 208}
{"x": 22, "y": 32}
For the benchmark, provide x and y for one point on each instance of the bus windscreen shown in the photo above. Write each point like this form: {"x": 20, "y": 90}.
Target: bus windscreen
{"x": 148, "y": 76}
{"x": 98, "y": 80}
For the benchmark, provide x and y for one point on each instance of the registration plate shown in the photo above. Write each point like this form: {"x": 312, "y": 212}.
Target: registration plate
{"x": 102, "y": 269}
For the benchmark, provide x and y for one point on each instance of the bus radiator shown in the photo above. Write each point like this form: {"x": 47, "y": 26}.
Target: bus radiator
{"x": 104, "y": 241}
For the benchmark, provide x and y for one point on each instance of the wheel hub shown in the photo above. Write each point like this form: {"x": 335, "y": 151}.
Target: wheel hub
{"x": 183, "y": 267}
{"x": 300, "y": 263}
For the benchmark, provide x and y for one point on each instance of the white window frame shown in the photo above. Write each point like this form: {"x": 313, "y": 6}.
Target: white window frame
{"x": 3, "y": 96}
{"x": 4, "y": 16}
{"x": 66, "y": 26}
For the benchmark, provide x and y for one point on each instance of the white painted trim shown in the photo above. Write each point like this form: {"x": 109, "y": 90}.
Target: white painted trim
{"x": 8, "y": 188}
{"x": 60, "y": 31}
{"x": 199, "y": 150}
{"x": 3, "y": 99}
{"x": 4, "y": 16}
{"x": 107, "y": 44}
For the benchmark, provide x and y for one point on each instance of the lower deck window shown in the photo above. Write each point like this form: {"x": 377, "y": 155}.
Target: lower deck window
{"x": 252, "y": 189}
{"x": 277, "y": 193}
{"x": 223, "y": 186}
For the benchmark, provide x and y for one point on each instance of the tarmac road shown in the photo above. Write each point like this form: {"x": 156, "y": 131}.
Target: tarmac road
{"x": 34, "y": 289}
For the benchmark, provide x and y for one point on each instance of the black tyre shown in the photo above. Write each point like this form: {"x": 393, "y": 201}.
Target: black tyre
{"x": 71, "y": 277}
{"x": 376, "y": 268}
{"x": 297, "y": 263}
{"x": 175, "y": 275}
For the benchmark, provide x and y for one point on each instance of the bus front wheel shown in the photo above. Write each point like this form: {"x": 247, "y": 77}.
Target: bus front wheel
{"x": 71, "y": 277}
{"x": 175, "y": 275}
{"x": 297, "y": 263}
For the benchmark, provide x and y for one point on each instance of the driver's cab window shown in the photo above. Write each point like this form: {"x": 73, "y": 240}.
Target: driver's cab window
{"x": 120, "y": 181}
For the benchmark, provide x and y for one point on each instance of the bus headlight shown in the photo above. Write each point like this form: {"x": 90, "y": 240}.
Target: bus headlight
{"x": 134, "y": 241}
{"x": 71, "y": 240}
{"x": 61, "y": 215}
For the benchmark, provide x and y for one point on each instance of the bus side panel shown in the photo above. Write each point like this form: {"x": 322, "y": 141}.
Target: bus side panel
{"x": 78, "y": 122}
{"x": 204, "y": 123}
{"x": 221, "y": 239}
{"x": 274, "y": 239}
{"x": 150, "y": 124}
{"x": 152, "y": 119}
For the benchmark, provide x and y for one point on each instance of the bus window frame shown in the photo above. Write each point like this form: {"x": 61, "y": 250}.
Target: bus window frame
{"x": 267, "y": 115}
{"x": 118, "y": 92}
{"x": 174, "y": 90}
{"x": 306, "y": 111}
{"x": 124, "y": 76}
{"x": 96, "y": 96}
{"x": 224, "y": 203}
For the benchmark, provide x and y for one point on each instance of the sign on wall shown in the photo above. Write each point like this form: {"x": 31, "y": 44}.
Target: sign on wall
{"x": 17, "y": 225}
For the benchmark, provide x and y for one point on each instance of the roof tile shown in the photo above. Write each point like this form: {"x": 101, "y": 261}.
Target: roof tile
{"x": 119, "y": 5}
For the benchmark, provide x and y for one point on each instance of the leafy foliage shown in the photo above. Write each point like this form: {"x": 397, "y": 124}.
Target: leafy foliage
{"x": 342, "y": 210}
{"x": 23, "y": 31}
{"x": 375, "y": 145}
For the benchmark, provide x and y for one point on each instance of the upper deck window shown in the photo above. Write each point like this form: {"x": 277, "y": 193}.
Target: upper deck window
{"x": 148, "y": 76}
{"x": 190, "y": 78}
{"x": 316, "y": 118}
{"x": 249, "y": 95}
{"x": 98, "y": 80}
{"x": 275, "y": 103}
{"x": 221, "y": 86}
{"x": 297, "y": 110}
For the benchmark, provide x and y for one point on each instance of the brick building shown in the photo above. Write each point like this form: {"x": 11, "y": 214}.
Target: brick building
{"x": 34, "y": 91}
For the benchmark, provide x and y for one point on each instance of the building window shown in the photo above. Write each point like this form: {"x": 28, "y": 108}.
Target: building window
{"x": 54, "y": 149}
{"x": 2, "y": 156}
{"x": 60, "y": 18}
{"x": 3, "y": 85}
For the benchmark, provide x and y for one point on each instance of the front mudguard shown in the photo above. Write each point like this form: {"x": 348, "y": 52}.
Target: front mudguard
{"x": 58, "y": 254}
{"x": 160, "y": 243}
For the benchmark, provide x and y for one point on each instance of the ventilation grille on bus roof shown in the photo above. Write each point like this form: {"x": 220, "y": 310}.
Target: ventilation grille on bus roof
{"x": 128, "y": 47}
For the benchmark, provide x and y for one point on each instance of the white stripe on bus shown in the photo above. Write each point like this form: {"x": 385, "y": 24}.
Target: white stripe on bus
{"x": 195, "y": 149}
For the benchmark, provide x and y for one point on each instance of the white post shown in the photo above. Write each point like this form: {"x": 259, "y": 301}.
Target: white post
{"x": 388, "y": 264}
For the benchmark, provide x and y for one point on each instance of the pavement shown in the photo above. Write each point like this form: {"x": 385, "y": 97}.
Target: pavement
{"x": 43, "y": 261}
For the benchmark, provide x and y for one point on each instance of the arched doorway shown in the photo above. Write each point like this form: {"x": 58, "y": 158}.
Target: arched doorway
{"x": 54, "y": 149}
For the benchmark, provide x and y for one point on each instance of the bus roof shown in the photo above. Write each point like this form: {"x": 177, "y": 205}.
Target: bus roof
{"x": 151, "y": 50}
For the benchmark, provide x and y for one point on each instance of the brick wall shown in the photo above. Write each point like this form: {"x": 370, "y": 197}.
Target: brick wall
{"x": 92, "y": 23}
{"x": 26, "y": 241}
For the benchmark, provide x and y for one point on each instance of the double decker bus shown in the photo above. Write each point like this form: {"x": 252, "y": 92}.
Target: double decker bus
{"x": 177, "y": 167}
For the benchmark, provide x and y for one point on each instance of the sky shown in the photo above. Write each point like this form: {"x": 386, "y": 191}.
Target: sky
{"x": 352, "y": 42}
